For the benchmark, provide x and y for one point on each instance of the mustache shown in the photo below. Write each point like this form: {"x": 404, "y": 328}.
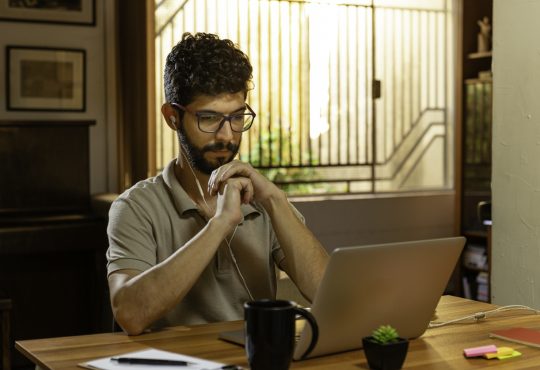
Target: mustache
{"x": 220, "y": 146}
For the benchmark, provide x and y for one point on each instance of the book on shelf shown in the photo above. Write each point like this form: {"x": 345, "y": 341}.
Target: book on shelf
{"x": 477, "y": 131}
{"x": 482, "y": 292}
{"x": 466, "y": 288}
{"x": 482, "y": 278}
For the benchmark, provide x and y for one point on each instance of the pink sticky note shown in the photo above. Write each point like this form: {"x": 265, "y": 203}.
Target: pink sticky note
{"x": 479, "y": 351}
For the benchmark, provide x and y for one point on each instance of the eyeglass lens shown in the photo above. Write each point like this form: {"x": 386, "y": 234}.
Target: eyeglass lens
{"x": 212, "y": 122}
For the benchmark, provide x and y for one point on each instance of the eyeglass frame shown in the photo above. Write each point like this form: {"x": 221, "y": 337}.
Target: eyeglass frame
{"x": 226, "y": 117}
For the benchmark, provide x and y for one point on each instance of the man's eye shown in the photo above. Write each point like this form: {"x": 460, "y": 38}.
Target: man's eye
{"x": 238, "y": 118}
{"x": 209, "y": 118}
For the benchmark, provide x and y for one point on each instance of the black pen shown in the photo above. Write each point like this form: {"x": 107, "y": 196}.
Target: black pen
{"x": 150, "y": 361}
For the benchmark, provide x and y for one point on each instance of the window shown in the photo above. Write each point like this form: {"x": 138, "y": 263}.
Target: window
{"x": 351, "y": 97}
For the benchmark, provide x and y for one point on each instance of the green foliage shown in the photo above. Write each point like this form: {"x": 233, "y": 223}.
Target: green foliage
{"x": 283, "y": 176}
{"x": 290, "y": 174}
{"x": 385, "y": 334}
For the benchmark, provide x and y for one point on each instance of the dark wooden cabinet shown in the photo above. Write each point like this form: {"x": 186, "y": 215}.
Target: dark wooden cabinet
{"x": 52, "y": 246}
{"x": 45, "y": 167}
{"x": 54, "y": 273}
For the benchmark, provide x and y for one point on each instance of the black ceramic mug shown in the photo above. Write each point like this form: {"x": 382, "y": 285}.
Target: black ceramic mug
{"x": 270, "y": 333}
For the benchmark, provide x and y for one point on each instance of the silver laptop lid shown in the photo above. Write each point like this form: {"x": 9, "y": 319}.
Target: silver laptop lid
{"x": 363, "y": 287}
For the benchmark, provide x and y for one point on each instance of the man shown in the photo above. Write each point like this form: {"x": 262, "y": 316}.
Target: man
{"x": 192, "y": 244}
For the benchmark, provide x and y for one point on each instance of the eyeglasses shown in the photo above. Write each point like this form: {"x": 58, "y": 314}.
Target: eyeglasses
{"x": 213, "y": 122}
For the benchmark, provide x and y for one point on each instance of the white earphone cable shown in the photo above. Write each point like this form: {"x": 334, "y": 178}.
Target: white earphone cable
{"x": 235, "y": 263}
{"x": 483, "y": 315}
{"x": 228, "y": 242}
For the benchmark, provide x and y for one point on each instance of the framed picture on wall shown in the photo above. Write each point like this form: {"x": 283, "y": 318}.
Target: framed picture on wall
{"x": 45, "y": 79}
{"x": 74, "y": 12}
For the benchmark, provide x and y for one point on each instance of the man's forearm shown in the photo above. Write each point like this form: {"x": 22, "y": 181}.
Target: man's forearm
{"x": 150, "y": 295}
{"x": 305, "y": 257}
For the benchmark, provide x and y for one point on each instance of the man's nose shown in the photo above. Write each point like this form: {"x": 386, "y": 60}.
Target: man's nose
{"x": 225, "y": 133}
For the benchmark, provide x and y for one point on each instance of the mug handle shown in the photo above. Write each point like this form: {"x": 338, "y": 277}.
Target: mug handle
{"x": 314, "y": 329}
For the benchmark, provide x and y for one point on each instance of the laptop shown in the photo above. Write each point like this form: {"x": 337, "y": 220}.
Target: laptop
{"x": 363, "y": 287}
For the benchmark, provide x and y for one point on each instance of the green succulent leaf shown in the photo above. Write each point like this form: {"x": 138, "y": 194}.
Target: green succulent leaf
{"x": 385, "y": 334}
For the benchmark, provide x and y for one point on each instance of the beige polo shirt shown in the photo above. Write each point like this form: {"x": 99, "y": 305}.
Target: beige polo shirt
{"x": 154, "y": 218}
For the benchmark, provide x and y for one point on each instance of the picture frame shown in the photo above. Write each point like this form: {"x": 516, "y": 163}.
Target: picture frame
{"x": 73, "y": 12}
{"x": 45, "y": 79}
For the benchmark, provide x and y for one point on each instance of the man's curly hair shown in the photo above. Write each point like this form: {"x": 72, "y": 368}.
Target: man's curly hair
{"x": 202, "y": 63}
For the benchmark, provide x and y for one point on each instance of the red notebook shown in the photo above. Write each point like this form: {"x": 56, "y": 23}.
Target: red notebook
{"x": 529, "y": 337}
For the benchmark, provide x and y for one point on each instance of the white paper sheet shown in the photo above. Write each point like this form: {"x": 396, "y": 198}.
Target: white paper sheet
{"x": 108, "y": 364}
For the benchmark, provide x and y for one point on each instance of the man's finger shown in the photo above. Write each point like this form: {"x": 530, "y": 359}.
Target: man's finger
{"x": 242, "y": 184}
{"x": 216, "y": 178}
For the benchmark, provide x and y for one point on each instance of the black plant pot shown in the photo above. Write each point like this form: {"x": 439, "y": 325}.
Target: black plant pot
{"x": 388, "y": 356}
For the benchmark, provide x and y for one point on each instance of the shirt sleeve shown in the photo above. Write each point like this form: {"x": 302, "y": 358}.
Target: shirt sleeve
{"x": 131, "y": 241}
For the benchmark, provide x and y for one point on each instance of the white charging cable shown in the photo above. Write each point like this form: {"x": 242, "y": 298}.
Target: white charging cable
{"x": 483, "y": 315}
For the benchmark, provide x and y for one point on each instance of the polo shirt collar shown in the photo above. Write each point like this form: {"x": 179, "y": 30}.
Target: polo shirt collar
{"x": 182, "y": 201}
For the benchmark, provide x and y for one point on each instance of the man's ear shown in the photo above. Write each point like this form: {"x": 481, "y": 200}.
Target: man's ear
{"x": 171, "y": 116}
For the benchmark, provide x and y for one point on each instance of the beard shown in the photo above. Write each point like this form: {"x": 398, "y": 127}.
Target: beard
{"x": 195, "y": 155}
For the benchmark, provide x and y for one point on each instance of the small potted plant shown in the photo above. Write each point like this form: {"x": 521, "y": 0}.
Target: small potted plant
{"x": 384, "y": 349}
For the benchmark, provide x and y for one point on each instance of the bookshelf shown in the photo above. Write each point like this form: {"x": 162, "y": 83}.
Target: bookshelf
{"x": 476, "y": 130}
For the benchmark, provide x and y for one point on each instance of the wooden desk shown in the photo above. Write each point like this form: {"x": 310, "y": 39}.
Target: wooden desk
{"x": 438, "y": 348}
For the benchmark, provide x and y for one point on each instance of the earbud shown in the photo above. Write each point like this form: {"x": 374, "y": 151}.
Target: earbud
{"x": 173, "y": 119}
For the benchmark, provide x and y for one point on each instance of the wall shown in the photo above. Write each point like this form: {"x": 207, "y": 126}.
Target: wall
{"x": 516, "y": 149}
{"x": 98, "y": 41}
